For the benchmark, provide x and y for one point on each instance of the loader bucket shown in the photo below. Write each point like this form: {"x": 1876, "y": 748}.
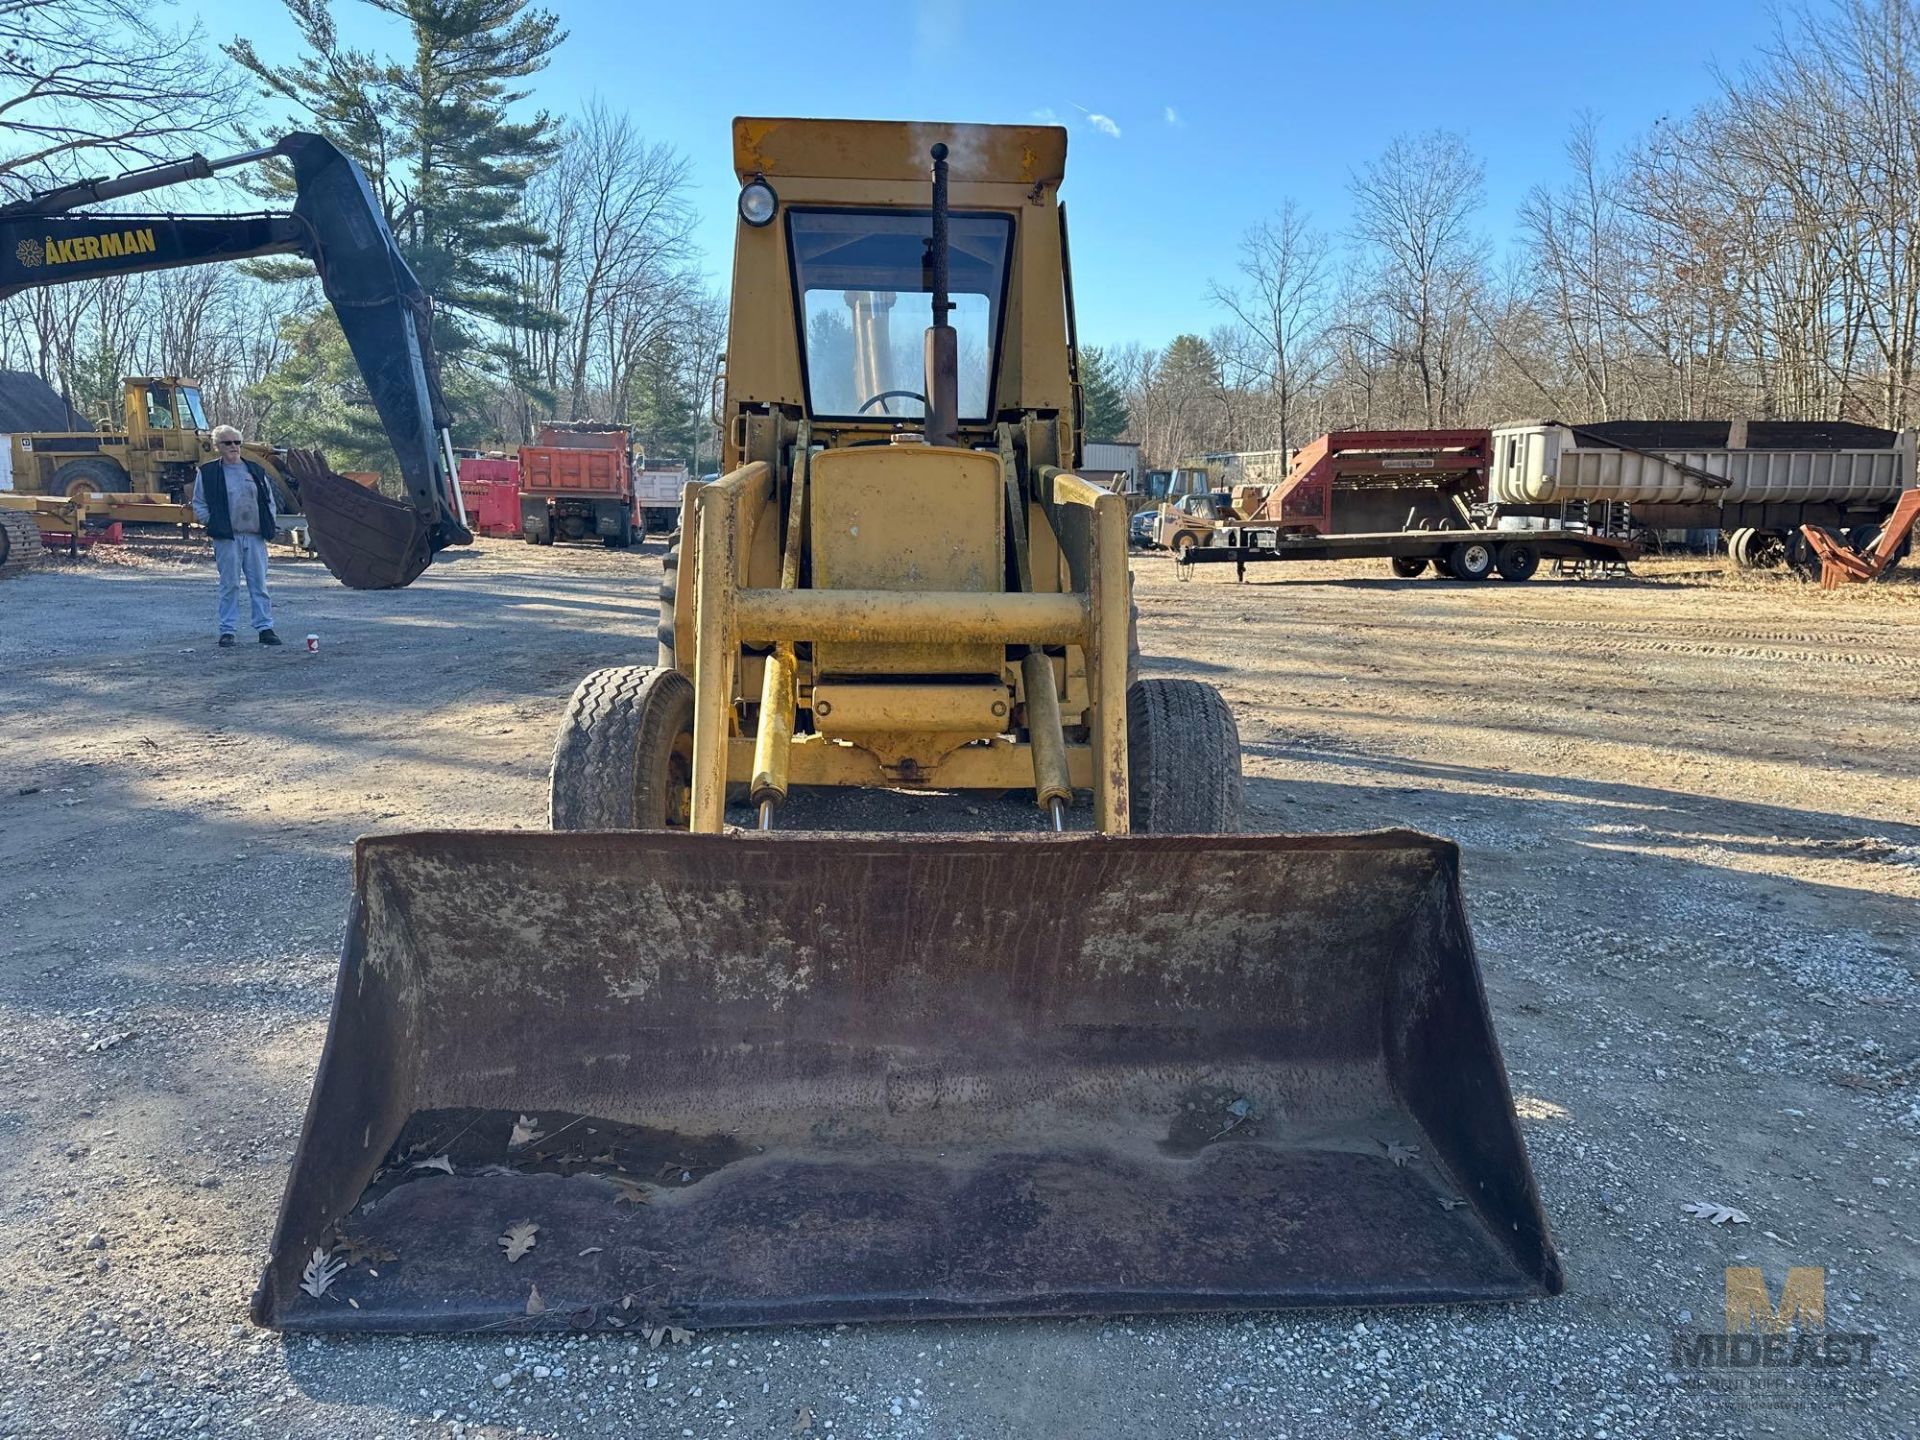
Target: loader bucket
{"x": 610, "y": 1081}
{"x": 366, "y": 540}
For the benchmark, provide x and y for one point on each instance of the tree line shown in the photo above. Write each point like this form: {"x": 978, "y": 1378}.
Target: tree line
{"x": 1759, "y": 257}
{"x": 556, "y": 249}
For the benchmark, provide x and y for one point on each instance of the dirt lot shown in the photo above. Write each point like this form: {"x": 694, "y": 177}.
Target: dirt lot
{"x": 1688, "y": 805}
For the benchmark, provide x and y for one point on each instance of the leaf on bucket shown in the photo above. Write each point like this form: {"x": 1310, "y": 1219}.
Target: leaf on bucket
{"x": 1715, "y": 1214}
{"x": 631, "y": 1191}
{"x": 1451, "y": 1202}
{"x": 803, "y": 1421}
{"x": 322, "y": 1270}
{"x": 359, "y": 1251}
{"x": 605, "y": 1157}
{"x": 1400, "y": 1154}
{"x": 592, "y": 1250}
{"x": 519, "y": 1239}
{"x": 535, "y": 1305}
{"x": 524, "y": 1132}
{"x": 438, "y": 1162}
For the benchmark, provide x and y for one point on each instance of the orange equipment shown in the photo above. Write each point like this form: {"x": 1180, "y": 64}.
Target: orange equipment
{"x": 1842, "y": 564}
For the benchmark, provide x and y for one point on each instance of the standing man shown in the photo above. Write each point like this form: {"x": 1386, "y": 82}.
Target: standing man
{"x": 233, "y": 500}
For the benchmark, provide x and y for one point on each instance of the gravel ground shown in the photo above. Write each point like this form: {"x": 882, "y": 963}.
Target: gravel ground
{"x": 1687, "y": 805}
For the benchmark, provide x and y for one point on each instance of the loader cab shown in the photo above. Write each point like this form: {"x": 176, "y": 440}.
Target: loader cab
{"x": 863, "y": 295}
{"x": 834, "y": 283}
{"x": 164, "y": 414}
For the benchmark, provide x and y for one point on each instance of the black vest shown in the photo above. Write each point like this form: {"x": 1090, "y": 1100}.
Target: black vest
{"x": 213, "y": 490}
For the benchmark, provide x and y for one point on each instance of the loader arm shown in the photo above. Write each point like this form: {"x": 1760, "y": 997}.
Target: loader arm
{"x": 366, "y": 540}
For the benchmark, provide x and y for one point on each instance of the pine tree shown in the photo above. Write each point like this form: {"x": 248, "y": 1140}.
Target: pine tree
{"x": 1106, "y": 416}
{"x": 435, "y": 132}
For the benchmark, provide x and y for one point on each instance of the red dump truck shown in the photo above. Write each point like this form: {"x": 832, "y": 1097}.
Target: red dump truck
{"x": 576, "y": 482}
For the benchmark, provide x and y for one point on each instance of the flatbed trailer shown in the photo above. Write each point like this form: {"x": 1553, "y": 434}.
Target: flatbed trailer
{"x": 1463, "y": 554}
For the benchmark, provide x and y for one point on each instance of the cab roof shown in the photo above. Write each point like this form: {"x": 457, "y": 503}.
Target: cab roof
{"x": 897, "y": 150}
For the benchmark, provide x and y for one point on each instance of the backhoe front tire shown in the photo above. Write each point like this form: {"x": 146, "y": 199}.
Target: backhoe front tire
{"x": 1183, "y": 759}
{"x": 624, "y": 757}
{"x": 668, "y": 596}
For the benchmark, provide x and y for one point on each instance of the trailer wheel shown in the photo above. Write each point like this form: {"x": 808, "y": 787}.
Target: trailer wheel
{"x": 1767, "y": 549}
{"x": 1469, "y": 560}
{"x": 1183, "y": 759}
{"x": 1516, "y": 560}
{"x": 624, "y": 757}
{"x": 1861, "y": 537}
{"x": 669, "y": 590}
{"x": 1738, "y": 544}
{"x": 1408, "y": 566}
{"x": 1801, "y": 558}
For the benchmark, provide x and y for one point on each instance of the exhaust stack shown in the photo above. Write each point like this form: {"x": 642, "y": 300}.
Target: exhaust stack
{"x": 943, "y": 349}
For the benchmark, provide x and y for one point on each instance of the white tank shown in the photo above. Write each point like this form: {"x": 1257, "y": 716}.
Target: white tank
{"x": 1547, "y": 464}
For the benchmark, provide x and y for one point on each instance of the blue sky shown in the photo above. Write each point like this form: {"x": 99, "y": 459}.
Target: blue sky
{"x": 1266, "y": 102}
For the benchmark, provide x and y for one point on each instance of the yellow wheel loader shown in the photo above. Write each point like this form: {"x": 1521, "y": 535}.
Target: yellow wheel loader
{"x": 645, "y": 1070}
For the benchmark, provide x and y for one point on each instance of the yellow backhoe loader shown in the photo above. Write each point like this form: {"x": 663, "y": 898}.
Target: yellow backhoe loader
{"x": 644, "y": 1070}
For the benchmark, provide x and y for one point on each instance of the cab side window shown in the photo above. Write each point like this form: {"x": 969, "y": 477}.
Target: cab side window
{"x": 159, "y": 407}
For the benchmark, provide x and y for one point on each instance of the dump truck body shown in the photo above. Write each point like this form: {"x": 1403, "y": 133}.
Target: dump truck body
{"x": 576, "y": 483}
{"x": 657, "y": 488}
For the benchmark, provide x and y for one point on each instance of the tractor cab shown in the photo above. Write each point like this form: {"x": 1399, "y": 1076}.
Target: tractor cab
{"x": 164, "y": 413}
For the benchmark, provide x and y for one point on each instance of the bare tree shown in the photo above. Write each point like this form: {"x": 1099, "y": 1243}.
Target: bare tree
{"x": 618, "y": 265}
{"x": 1574, "y": 238}
{"x": 1414, "y": 212}
{"x": 86, "y": 83}
{"x": 1281, "y": 306}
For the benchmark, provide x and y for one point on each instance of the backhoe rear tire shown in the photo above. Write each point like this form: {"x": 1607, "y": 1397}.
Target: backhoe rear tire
{"x": 1183, "y": 758}
{"x": 1408, "y": 566}
{"x": 624, "y": 757}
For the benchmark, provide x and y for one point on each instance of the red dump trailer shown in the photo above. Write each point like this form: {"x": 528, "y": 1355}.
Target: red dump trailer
{"x": 576, "y": 482}
{"x": 490, "y": 490}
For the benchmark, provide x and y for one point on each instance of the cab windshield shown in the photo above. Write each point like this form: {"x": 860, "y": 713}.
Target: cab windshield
{"x": 864, "y": 280}
{"x": 190, "y": 401}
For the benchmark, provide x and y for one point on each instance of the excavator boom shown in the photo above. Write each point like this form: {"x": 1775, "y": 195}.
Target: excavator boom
{"x": 366, "y": 540}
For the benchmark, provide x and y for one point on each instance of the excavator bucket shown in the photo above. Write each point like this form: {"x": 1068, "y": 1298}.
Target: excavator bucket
{"x": 367, "y": 541}
{"x": 613, "y": 1081}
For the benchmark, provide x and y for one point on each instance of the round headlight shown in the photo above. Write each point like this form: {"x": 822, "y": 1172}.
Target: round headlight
{"x": 757, "y": 202}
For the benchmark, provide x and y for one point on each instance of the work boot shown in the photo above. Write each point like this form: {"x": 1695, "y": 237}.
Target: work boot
{"x": 267, "y": 637}
{"x": 226, "y": 642}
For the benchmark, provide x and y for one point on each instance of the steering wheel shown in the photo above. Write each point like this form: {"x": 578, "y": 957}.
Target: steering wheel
{"x": 872, "y": 400}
